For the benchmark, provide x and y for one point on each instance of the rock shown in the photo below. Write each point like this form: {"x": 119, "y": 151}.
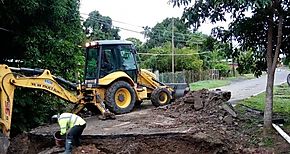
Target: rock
{"x": 198, "y": 105}
{"x": 228, "y": 119}
{"x": 229, "y": 109}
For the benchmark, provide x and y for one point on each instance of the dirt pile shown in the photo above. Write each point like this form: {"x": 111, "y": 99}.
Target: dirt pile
{"x": 205, "y": 106}
{"x": 209, "y": 116}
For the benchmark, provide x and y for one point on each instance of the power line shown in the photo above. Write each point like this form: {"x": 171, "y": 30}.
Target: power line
{"x": 128, "y": 30}
{"x": 155, "y": 29}
{"x": 127, "y": 24}
{"x": 4, "y": 29}
{"x": 122, "y": 22}
{"x": 166, "y": 38}
{"x": 169, "y": 54}
{"x": 102, "y": 21}
{"x": 183, "y": 35}
{"x": 105, "y": 23}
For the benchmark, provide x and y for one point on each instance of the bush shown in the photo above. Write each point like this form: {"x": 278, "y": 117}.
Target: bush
{"x": 223, "y": 68}
{"x": 246, "y": 63}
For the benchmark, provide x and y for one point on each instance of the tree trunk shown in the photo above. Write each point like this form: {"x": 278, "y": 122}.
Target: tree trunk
{"x": 269, "y": 102}
{"x": 271, "y": 66}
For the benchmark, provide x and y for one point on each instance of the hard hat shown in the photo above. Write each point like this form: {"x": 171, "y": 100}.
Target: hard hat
{"x": 54, "y": 118}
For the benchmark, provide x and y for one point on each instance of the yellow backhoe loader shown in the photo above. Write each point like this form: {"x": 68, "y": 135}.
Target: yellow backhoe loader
{"x": 112, "y": 83}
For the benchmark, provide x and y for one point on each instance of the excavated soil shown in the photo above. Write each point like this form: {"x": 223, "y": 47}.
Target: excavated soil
{"x": 200, "y": 122}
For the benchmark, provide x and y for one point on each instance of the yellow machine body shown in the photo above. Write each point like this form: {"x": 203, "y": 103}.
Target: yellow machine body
{"x": 148, "y": 80}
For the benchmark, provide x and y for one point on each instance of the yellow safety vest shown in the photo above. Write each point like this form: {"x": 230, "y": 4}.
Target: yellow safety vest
{"x": 68, "y": 120}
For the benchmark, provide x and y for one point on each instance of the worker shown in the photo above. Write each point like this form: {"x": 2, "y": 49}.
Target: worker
{"x": 72, "y": 126}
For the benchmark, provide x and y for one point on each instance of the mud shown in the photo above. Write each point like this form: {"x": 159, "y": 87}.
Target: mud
{"x": 200, "y": 122}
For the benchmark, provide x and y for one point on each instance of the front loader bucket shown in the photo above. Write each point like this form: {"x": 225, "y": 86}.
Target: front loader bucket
{"x": 4, "y": 143}
{"x": 180, "y": 89}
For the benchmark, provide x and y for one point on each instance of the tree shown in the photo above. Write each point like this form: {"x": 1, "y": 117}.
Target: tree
{"x": 226, "y": 37}
{"x": 137, "y": 43}
{"x": 98, "y": 27}
{"x": 41, "y": 34}
{"x": 186, "y": 59}
{"x": 262, "y": 32}
{"x": 213, "y": 52}
{"x": 162, "y": 32}
{"x": 246, "y": 62}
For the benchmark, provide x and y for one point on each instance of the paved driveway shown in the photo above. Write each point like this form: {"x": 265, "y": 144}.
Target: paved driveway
{"x": 248, "y": 88}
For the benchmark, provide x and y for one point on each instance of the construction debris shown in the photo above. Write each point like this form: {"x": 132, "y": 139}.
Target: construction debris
{"x": 200, "y": 122}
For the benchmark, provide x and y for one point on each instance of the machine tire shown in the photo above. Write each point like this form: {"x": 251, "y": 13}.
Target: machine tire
{"x": 160, "y": 97}
{"x": 288, "y": 79}
{"x": 120, "y": 97}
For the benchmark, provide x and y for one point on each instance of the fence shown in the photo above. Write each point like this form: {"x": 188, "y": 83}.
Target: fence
{"x": 188, "y": 76}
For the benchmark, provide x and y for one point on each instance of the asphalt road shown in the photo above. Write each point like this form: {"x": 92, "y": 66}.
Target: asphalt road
{"x": 248, "y": 88}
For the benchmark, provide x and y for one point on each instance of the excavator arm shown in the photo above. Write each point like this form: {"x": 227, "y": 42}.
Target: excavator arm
{"x": 10, "y": 80}
{"x": 44, "y": 80}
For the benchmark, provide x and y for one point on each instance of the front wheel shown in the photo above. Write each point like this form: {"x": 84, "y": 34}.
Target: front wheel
{"x": 160, "y": 97}
{"x": 120, "y": 97}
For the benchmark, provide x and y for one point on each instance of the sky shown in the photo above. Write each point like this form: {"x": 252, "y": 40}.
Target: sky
{"x": 133, "y": 14}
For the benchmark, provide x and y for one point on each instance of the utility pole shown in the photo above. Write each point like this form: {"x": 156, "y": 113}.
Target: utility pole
{"x": 172, "y": 43}
{"x": 233, "y": 56}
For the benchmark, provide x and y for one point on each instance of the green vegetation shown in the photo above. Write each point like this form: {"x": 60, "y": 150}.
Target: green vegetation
{"x": 242, "y": 77}
{"x": 161, "y": 33}
{"x": 223, "y": 68}
{"x": 208, "y": 84}
{"x": 249, "y": 31}
{"x": 189, "y": 61}
{"x": 98, "y": 27}
{"x": 48, "y": 35}
{"x": 281, "y": 110}
{"x": 246, "y": 62}
{"x": 41, "y": 34}
{"x": 281, "y": 103}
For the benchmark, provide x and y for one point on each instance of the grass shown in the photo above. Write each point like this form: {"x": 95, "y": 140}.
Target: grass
{"x": 208, "y": 84}
{"x": 281, "y": 109}
{"x": 281, "y": 103}
{"x": 244, "y": 76}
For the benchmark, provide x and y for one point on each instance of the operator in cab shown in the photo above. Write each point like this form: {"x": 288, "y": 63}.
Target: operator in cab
{"x": 72, "y": 126}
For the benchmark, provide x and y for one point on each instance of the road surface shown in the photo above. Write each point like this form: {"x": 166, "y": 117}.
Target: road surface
{"x": 248, "y": 88}
{"x": 140, "y": 121}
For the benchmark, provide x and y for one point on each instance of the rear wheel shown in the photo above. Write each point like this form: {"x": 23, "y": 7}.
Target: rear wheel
{"x": 160, "y": 96}
{"x": 120, "y": 97}
{"x": 288, "y": 79}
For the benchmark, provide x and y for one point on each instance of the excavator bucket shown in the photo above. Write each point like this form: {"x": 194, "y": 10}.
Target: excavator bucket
{"x": 4, "y": 143}
{"x": 180, "y": 89}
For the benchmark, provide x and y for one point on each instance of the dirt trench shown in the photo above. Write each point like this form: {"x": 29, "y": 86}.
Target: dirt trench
{"x": 200, "y": 122}
{"x": 157, "y": 143}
